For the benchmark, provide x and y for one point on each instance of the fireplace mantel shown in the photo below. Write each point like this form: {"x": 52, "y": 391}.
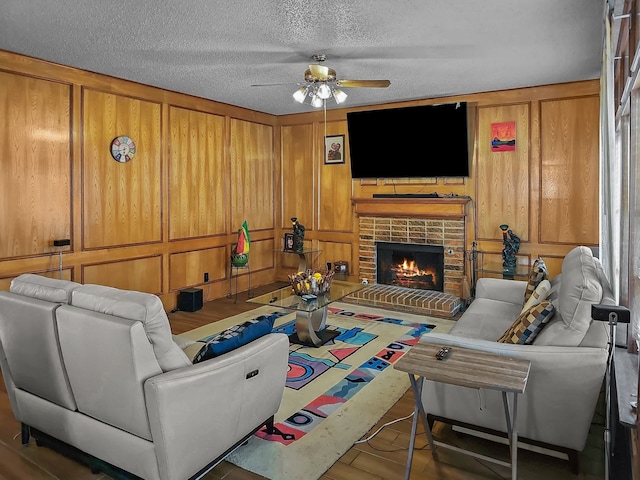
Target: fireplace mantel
{"x": 412, "y": 207}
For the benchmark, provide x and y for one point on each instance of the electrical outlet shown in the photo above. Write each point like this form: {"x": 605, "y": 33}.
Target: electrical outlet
{"x": 206, "y": 277}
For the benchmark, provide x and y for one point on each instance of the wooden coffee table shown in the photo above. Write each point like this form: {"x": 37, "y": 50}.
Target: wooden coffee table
{"x": 466, "y": 368}
{"x": 311, "y": 316}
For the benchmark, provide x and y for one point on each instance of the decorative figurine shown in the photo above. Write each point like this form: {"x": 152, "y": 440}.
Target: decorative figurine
{"x": 240, "y": 251}
{"x": 511, "y": 244}
{"x": 298, "y": 235}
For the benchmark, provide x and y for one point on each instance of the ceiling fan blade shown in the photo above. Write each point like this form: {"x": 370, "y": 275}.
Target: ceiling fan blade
{"x": 319, "y": 71}
{"x": 275, "y": 84}
{"x": 363, "y": 83}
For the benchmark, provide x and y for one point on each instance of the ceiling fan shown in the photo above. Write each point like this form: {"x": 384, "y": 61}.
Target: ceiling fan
{"x": 321, "y": 84}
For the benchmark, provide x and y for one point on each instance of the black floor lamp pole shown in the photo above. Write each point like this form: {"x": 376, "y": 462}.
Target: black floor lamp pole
{"x": 613, "y": 314}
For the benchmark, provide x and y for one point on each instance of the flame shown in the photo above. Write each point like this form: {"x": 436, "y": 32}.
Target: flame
{"x": 409, "y": 268}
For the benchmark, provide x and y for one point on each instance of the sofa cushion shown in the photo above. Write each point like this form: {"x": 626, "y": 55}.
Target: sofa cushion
{"x": 137, "y": 306}
{"x": 43, "y": 288}
{"x": 537, "y": 273}
{"x": 486, "y": 318}
{"x": 539, "y": 294}
{"x": 529, "y": 323}
{"x": 579, "y": 288}
{"x": 235, "y": 337}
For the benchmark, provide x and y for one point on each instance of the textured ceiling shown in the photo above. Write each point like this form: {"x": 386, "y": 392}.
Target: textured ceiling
{"x": 219, "y": 49}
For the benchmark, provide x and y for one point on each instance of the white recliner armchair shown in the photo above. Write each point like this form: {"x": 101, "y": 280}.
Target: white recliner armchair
{"x": 96, "y": 370}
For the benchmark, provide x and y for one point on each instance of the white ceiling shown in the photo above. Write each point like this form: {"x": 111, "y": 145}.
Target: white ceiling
{"x": 219, "y": 49}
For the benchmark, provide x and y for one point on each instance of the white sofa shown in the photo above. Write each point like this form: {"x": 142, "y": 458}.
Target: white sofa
{"x": 95, "y": 372}
{"x": 568, "y": 358}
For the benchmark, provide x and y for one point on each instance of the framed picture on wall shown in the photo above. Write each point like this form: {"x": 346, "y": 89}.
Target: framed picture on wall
{"x": 288, "y": 242}
{"x": 334, "y": 149}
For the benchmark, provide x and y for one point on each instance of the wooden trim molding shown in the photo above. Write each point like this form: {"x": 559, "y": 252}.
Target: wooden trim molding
{"x": 414, "y": 207}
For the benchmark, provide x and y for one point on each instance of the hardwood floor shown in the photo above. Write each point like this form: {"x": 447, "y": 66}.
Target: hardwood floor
{"x": 381, "y": 458}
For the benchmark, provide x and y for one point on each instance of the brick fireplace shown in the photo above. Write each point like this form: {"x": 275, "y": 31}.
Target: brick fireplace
{"x": 414, "y": 221}
{"x": 446, "y": 233}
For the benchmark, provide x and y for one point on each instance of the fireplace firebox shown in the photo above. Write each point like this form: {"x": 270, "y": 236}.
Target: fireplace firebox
{"x": 410, "y": 265}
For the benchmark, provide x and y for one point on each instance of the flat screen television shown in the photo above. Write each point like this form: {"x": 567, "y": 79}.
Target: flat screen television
{"x": 422, "y": 141}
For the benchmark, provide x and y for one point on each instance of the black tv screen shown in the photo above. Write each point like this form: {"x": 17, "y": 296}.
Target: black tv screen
{"x": 422, "y": 141}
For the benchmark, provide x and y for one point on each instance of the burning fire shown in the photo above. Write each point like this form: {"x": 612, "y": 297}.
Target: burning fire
{"x": 409, "y": 268}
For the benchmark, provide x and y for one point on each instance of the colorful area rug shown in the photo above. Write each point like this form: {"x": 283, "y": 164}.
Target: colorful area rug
{"x": 334, "y": 393}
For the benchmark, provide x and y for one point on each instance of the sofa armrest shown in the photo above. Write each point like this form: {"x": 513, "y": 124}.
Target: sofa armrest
{"x": 511, "y": 291}
{"x": 198, "y": 412}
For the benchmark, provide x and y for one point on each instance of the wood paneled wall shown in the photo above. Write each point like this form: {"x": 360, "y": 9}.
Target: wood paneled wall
{"x": 162, "y": 220}
{"x": 35, "y": 142}
{"x": 121, "y": 202}
{"x": 197, "y": 190}
{"x": 157, "y": 223}
{"x": 546, "y": 190}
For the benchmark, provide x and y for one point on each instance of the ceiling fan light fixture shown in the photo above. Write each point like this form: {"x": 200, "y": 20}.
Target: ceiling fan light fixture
{"x": 322, "y": 83}
{"x": 300, "y": 94}
{"x": 316, "y": 101}
{"x": 324, "y": 91}
{"x": 339, "y": 95}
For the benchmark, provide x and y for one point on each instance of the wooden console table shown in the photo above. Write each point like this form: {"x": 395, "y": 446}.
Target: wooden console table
{"x": 466, "y": 368}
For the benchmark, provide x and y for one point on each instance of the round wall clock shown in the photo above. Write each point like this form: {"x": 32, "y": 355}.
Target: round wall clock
{"x": 123, "y": 149}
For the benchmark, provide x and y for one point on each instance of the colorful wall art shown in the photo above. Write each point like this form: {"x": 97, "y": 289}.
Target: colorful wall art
{"x": 503, "y": 136}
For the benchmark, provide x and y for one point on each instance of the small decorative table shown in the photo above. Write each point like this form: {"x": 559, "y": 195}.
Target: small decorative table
{"x": 466, "y": 368}
{"x": 311, "y": 316}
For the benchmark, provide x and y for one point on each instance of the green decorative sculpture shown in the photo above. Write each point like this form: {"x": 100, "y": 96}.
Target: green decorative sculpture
{"x": 511, "y": 243}
{"x": 240, "y": 251}
{"x": 298, "y": 235}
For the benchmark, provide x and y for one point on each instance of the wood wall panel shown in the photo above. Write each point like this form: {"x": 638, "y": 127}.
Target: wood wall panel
{"x": 197, "y": 185}
{"x": 334, "y": 198}
{"x": 187, "y": 269}
{"x": 554, "y": 265}
{"x": 252, "y": 178}
{"x": 261, "y": 255}
{"x": 35, "y": 185}
{"x": 141, "y": 274}
{"x": 121, "y": 201}
{"x": 5, "y": 282}
{"x": 336, "y": 251}
{"x": 297, "y": 175}
{"x": 503, "y": 177}
{"x": 569, "y": 171}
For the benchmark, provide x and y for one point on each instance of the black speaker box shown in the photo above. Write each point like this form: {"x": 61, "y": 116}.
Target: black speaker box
{"x": 190, "y": 299}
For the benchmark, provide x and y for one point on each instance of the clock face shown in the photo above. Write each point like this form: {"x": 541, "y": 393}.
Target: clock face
{"x": 123, "y": 149}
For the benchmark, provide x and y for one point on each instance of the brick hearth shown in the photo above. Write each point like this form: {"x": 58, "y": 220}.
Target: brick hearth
{"x": 425, "y": 302}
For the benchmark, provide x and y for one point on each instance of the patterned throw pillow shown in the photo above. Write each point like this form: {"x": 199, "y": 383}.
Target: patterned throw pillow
{"x": 537, "y": 273}
{"x": 529, "y": 324}
{"x": 539, "y": 294}
{"x": 235, "y": 337}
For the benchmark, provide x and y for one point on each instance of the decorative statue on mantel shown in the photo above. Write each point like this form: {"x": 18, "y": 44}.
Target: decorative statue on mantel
{"x": 511, "y": 244}
{"x": 298, "y": 235}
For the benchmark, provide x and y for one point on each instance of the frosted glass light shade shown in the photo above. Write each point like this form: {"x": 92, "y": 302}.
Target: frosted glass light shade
{"x": 339, "y": 95}
{"x": 299, "y": 95}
